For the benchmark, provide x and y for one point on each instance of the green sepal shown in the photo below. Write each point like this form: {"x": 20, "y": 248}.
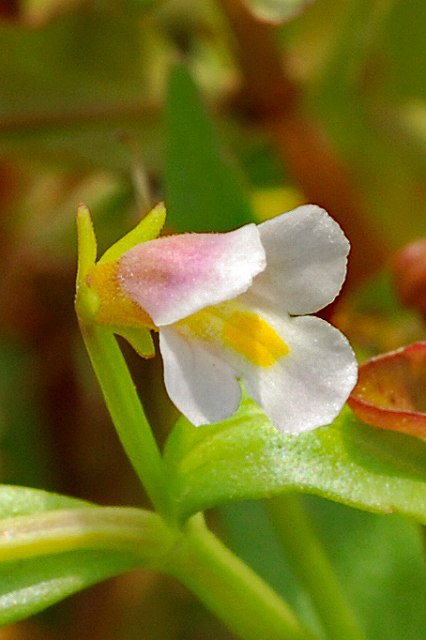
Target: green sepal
{"x": 148, "y": 228}
{"x": 140, "y": 339}
{"x": 87, "y": 247}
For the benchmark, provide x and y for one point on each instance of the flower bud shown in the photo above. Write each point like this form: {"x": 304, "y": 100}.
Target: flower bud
{"x": 409, "y": 274}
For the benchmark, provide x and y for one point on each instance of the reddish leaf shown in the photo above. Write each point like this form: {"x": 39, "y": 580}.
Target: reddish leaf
{"x": 391, "y": 391}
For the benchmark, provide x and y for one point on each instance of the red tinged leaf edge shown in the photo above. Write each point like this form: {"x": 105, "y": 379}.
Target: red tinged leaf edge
{"x": 391, "y": 391}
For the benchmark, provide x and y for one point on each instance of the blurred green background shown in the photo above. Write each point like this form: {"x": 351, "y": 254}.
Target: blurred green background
{"x": 228, "y": 117}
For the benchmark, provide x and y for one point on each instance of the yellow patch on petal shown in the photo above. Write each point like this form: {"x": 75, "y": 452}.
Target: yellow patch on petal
{"x": 254, "y": 338}
{"x": 115, "y": 307}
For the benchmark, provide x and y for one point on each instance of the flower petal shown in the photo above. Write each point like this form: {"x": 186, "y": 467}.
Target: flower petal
{"x": 308, "y": 387}
{"x": 202, "y": 386}
{"x": 300, "y": 370}
{"x": 173, "y": 277}
{"x": 306, "y": 260}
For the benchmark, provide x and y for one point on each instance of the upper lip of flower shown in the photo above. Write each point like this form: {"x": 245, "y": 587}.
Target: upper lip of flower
{"x": 175, "y": 276}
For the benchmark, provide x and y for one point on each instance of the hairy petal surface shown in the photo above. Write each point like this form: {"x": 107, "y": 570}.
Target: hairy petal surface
{"x": 308, "y": 387}
{"x": 176, "y": 276}
{"x": 306, "y": 254}
{"x": 201, "y": 385}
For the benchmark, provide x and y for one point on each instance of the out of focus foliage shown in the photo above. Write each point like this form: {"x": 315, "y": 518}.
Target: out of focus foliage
{"x": 319, "y": 102}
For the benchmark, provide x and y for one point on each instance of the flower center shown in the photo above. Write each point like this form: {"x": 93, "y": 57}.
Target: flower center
{"x": 242, "y": 331}
{"x": 254, "y": 338}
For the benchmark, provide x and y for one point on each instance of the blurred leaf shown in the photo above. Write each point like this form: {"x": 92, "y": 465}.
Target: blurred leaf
{"x": 353, "y": 92}
{"x": 379, "y": 561}
{"x": 31, "y": 586}
{"x": 375, "y": 321}
{"x": 276, "y": 11}
{"x": 52, "y": 546}
{"x": 73, "y": 90}
{"x": 36, "y": 12}
{"x": 141, "y": 5}
{"x": 263, "y": 551}
{"x": 203, "y": 189}
{"x": 25, "y": 456}
{"x": 403, "y": 46}
{"x": 245, "y": 457}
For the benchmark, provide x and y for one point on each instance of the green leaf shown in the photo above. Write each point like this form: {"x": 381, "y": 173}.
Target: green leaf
{"x": 52, "y": 546}
{"x": 31, "y": 586}
{"x": 245, "y": 457}
{"x": 21, "y": 501}
{"x": 204, "y": 191}
{"x": 276, "y": 11}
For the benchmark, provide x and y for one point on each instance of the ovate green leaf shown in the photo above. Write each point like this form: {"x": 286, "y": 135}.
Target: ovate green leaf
{"x": 245, "y": 457}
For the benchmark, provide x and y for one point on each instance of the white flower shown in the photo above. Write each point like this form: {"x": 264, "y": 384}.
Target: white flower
{"x": 228, "y": 307}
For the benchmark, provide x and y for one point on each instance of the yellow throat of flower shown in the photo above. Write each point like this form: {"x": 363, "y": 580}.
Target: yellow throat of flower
{"x": 254, "y": 338}
{"x": 244, "y": 332}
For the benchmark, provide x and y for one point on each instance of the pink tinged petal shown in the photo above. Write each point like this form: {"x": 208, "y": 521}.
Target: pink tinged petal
{"x": 176, "y": 276}
{"x": 306, "y": 260}
{"x": 308, "y": 387}
{"x": 202, "y": 386}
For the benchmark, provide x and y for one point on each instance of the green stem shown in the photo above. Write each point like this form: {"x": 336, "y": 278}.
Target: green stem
{"x": 230, "y": 589}
{"x": 126, "y": 412}
{"x": 312, "y": 566}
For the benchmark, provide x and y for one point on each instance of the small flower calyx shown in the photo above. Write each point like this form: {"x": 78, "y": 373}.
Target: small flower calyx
{"x": 100, "y": 299}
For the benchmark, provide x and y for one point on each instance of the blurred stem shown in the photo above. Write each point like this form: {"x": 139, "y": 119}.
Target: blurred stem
{"x": 272, "y": 98}
{"x": 230, "y": 589}
{"x": 126, "y": 411}
{"x": 312, "y": 566}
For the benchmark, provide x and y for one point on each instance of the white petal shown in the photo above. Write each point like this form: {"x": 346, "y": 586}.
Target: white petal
{"x": 308, "y": 387}
{"x": 176, "y": 276}
{"x": 203, "y": 387}
{"x": 306, "y": 260}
